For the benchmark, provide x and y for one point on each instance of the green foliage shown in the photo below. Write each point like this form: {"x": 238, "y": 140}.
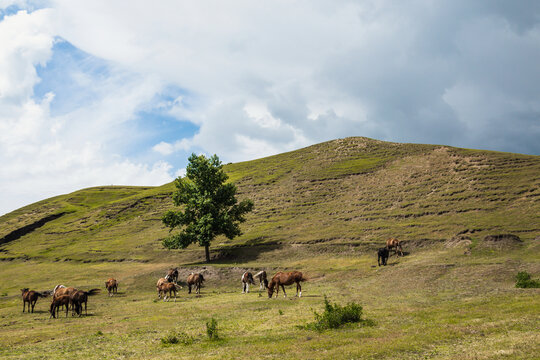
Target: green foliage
{"x": 211, "y": 329}
{"x": 335, "y": 316}
{"x": 209, "y": 205}
{"x": 523, "y": 280}
{"x": 177, "y": 337}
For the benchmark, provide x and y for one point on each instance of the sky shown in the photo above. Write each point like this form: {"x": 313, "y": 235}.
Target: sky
{"x": 122, "y": 92}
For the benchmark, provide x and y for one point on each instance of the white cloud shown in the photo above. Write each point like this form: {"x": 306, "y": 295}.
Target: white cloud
{"x": 262, "y": 78}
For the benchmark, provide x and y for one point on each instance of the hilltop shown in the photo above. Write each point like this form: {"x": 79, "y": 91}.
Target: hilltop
{"x": 348, "y": 192}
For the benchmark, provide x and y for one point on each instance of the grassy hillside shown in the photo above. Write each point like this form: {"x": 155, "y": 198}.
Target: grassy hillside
{"x": 322, "y": 210}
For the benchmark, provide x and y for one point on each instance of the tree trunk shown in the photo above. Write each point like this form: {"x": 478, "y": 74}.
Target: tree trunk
{"x": 207, "y": 253}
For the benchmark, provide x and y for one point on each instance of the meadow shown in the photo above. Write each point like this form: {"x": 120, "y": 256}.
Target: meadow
{"x": 323, "y": 210}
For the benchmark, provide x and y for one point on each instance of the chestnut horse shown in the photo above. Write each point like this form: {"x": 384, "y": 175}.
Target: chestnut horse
{"x": 282, "y": 279}
{"x": 247, "y": 278}
{"x": 195, "y": 280}
{"x": 168, "y": 287}
{"x": 160, "y": 282}
{"x": 172, "y": 275}
{"x": 60, "y": 290}
{"x": 112, "y": 286}
{"x": 80, "y": 297}
{"x": 261, "y": 275}
{"x": 396, "y": 244}
{"x": 58, "y": 301}
{"x": 30, "y": 297}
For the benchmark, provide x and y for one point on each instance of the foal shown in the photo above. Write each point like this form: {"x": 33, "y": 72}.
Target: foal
{"x": 112, "y": 286}
{"x": 168, "y": 288}
{"x": 30, "y": 297}
{"x": 58, "y": 301}
{"x": 160, "y": 282}
{"x": 282, "y": 278}
{"x": 247, "y": 278}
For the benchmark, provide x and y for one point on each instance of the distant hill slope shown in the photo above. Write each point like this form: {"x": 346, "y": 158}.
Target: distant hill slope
{"x": 347, "y": 192}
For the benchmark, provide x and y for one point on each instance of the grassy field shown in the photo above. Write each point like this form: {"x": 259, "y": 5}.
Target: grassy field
{"x": 322, "y": 210}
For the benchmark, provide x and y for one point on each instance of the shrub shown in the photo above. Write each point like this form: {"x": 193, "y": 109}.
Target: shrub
{"x": 335, "y": 316}
{"x": 523, "y": 280}
{"x": 211, "y": 329}
{"x": 177, "y": 338}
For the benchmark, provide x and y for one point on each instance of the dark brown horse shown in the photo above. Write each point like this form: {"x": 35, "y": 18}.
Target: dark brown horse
{"x": 286, "y": 278}
{"x": 396, "y": 244}
{"x": 112, "y": 286}
{"x": 57, "y": 302}
{"x": 172, "y": 275}
{"x": 247, "y": 278}
{"x": 30, "y": 297}
{"x": 169, "y": 288}
{"x": 195, "y": 280}
{"x": 263, "y": 281}
{"x": 80, "y": 297}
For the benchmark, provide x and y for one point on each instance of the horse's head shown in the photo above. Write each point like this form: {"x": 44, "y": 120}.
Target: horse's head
{"x": 270, "y": 289}
{"x": 24, "y": 290}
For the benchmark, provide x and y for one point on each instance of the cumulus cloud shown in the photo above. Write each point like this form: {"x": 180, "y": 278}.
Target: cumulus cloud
{"x": 263, "y": 78}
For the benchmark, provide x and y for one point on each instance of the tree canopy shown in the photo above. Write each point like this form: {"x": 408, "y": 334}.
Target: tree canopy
{"x": 209, "y": 206}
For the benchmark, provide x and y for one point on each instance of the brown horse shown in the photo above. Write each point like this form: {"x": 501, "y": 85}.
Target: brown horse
{"x": 60, "y": 290}
{"x": 30, "y": 297}
{"x": 172, "y": 275}
{"x": 170, "y": 288}
{"x": 160, "y": 282}
{"x": 80, "y": 297}
{"x": 282, "y": 279}
{"x": 112, "y": 286}
{"x": 396, "y": 244}
{"x": 58, "y": 301}
{"x": 195, "y": 280}
{"x": 247, "y": 278}
{"x": 263, "y": 281}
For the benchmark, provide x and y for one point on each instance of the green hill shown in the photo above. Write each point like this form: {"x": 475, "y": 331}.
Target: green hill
{"x": 324, "y": 210}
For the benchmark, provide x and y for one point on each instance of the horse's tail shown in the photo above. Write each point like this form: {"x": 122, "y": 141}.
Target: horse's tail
{"x": 42, "y": 294}
{"x": 93, "y": 292}
{"x": 304, "y": 278}
{"x": 177, "y": 287}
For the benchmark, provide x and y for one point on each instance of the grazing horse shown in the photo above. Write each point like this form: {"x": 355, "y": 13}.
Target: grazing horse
{"x": 282, "y": 279}
{"x": 58, "y": 301}
{"x": 112, "y": 286}
{"x": 30, "y": 297}
{"x": 396, "y": 244}
{"x": 172, "y": 275}
{"x": 382, "y": 256}
{"x": 168, "y": 287}
{"x": 195, "y": 280}
{"x": 261, "y": 275}
{"x": 160, "y": 282}
{"x": 60, "y": 290}
{"x": 80, "y": 297}
{"x": 247, "y": 278}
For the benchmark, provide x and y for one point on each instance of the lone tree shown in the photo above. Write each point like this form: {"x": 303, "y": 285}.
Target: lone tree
{"x": 210, "y": 207}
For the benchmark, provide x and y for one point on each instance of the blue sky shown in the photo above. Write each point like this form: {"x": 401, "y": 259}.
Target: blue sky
{"x": 95, "y": 93}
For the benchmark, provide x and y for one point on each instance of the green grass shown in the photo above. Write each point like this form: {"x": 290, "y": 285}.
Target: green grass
{"x": 323, "y": 210}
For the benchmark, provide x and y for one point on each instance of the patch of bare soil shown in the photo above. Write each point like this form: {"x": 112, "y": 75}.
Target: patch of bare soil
{"x": 458, "y": 241}
{"x": 500, "y": 242}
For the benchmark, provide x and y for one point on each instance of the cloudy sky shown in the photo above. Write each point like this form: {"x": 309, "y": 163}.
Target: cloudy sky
{"x": 121, "y": 92}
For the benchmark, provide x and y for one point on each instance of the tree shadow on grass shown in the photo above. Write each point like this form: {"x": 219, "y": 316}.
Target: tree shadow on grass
{"x": 239, "y": 253}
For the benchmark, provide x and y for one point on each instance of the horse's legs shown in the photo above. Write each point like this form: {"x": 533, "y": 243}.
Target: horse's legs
{"x": 284, "y": 293}
{"x": 34, "y": 304}
{"x": 189, "y": 288}
{"x": 243, "y": 287}
{"x": 247, "y": 288}
{"x": 23, "y": 305}
{"x": 298, "y": 289}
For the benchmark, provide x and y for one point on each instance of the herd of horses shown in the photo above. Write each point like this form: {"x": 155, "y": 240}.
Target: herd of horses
{"x": 70, "y": 297}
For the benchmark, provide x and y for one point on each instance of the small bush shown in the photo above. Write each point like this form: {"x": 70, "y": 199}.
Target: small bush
{"x": 335, "y": 316}
{"x": 523, "y": 280}
{"x": 280, "y": 312}
{"x": 174, "y": 338}
{"x": 211, "y": 329}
